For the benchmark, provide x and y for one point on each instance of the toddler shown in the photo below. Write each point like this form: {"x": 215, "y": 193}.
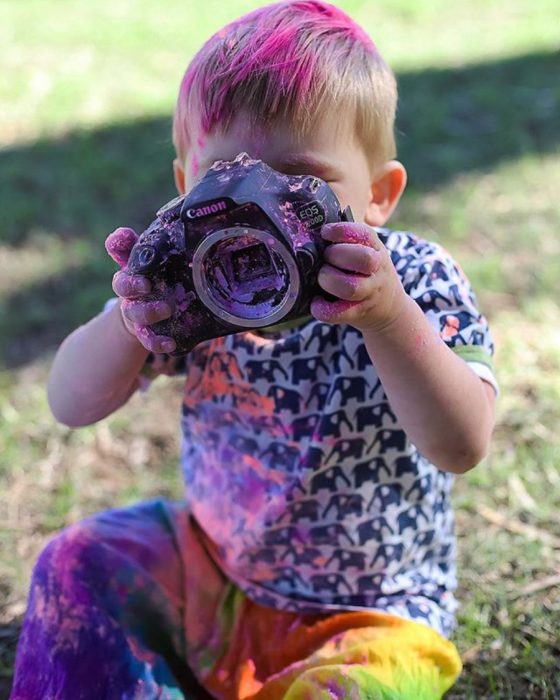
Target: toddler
{"x": 313, "y": 555}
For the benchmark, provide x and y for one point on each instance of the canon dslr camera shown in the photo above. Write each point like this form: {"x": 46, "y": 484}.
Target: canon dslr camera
{"x": 241, "y": 251}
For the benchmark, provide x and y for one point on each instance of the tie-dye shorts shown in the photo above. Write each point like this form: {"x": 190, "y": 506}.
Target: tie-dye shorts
{"x": 127, "y": 604}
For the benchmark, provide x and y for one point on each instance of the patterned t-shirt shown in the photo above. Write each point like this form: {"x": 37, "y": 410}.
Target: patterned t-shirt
{"x": 298, "y": 472}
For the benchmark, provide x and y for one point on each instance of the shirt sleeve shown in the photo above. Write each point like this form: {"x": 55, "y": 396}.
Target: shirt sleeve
{"x": 155, "y": 364}
{"x": 441, "y": 289}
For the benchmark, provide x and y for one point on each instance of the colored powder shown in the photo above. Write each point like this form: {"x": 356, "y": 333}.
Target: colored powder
{"x": 195, "y": 166}
{"x": 277, "y": 52}
{"x": 119, "y": 244}
{"x": 355, "y": 233}
{"x": 328, "y": 311}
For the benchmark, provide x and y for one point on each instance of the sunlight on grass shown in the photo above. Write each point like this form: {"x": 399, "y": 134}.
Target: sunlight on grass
{"x": 437, "y": 32}
{"x": 41, "y": 257}
{"x": 500, "y": 626}
{"x": 126, "y": 58}
{"x": 52, "y": 476}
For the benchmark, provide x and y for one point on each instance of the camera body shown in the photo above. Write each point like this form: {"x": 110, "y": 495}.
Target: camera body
{"x": 242, "y": 250}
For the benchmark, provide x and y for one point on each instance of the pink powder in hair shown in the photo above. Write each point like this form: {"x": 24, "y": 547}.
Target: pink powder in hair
{"x": 340, "y": 20}
{"x": 323, "y": 14}
{"x": 277, "y": 57}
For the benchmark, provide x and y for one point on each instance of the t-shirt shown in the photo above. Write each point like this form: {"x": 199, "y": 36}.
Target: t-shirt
{"x": 310, "y": 493}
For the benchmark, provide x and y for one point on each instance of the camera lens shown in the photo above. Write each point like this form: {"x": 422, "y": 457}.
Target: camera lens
{"x": 145, "y": 257}
{"x": 246, "y": 276}
{"x": 252, "y": 262}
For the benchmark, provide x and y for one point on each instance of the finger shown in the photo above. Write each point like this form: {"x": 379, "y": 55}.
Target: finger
{"x": 159, "y": 344}
{"x": 146, "y": 313}
{"x": 354, "y": 258}
{"x": 131, "y": 286}
{"x": 119, "y": 244}
{"x": 341, "y": 232}
{"x": 330, "y": 311}
{"x": 344, "y": 285}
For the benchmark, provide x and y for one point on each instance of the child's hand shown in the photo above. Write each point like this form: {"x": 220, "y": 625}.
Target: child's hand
{"x": 137, "y": 312}
{"x": 359, "y": 271}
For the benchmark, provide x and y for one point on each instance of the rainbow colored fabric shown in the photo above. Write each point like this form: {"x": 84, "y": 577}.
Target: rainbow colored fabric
{"x": 128, "y": 605}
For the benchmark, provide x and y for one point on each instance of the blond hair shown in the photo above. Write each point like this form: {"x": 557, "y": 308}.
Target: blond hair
{"x": 291, "y": 62}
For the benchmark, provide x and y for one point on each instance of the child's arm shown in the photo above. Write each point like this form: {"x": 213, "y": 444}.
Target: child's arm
{"x": 97, "y": 367}
{"x": 443, "y": 406}
{"x": 95, "y": 370}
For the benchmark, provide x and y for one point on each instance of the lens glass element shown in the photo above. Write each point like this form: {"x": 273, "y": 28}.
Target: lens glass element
{"x": 246, "y": 276}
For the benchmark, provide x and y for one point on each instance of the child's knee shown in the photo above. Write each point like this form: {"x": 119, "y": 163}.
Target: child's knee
{"x": 341, "y": 682}
{"x": 359, "y": 682}
{"x": 67, "y": 554}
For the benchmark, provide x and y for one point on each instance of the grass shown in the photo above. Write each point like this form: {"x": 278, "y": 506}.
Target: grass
{"x": 87, "y": 92}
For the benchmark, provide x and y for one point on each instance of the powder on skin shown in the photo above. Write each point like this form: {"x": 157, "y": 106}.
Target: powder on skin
{"x": 328, "y": 311}
{"x": 120, "y": 244}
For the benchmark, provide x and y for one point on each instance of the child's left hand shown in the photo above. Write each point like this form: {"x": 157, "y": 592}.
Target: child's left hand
{"x": 359, "y": 271}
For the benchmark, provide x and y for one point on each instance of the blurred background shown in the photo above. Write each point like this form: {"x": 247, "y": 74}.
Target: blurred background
{"x": 87, "y": 91}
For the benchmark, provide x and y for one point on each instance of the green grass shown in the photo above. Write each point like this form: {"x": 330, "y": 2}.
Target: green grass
{"x": 87, "y": 91}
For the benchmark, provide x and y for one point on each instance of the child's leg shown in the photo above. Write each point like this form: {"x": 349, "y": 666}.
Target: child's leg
{"x": 385, "y": 661}
{"x": 346, "y": 656}
{"x": 105, "y": 614}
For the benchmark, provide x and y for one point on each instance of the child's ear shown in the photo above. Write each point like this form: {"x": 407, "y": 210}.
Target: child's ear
{"x": 179, "y": 175}
{"x": 386, "y": 190}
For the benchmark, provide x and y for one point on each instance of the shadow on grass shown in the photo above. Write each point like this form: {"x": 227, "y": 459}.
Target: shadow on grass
{"x": 82, "y": 186}
{"x": 9, "y": 634}
{"x": 454, "y": 121}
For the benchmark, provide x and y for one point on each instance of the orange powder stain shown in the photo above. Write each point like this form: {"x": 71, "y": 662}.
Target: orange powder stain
{"x": 451, "y": 327}
{"x": 262, "y": 471}
{"x": 223, "y": 379}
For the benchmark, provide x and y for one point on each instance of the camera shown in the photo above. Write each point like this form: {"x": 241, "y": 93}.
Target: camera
{"x": 242, "y": 250}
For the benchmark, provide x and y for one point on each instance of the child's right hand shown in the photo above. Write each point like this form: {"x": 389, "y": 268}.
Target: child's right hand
{"x": 138, "y": 312}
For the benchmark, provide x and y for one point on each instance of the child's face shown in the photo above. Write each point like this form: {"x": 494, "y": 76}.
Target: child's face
{"x": 331, "y": 152}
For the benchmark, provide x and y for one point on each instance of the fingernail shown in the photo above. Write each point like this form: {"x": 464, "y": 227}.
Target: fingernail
{"x": 162, "y": 307}
{"x": 168, "y": 345}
